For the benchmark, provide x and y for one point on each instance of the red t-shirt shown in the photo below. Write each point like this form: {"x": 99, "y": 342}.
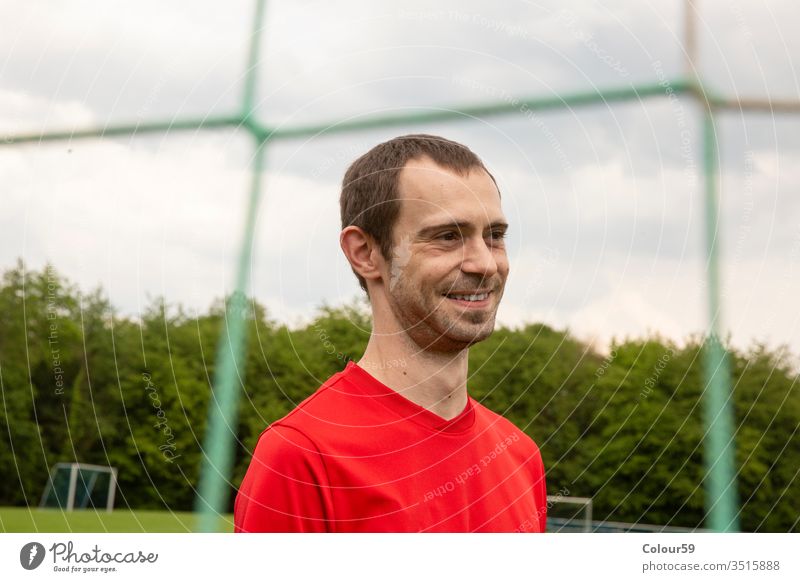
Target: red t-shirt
{"x": 357, "y": 456}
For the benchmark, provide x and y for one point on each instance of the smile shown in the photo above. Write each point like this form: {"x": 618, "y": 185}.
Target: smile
{"x": 470, "y": 299}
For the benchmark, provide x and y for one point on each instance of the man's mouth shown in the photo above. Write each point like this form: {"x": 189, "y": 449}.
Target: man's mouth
{"x": 476, "y": 298}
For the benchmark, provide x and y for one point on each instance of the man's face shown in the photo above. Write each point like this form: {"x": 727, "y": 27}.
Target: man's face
{"x": 449, "y": 264}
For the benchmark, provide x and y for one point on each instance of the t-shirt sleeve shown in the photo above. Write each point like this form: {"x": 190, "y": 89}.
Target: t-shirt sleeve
{"x": 285, "y": 488}
{"x": 540, "y": 490}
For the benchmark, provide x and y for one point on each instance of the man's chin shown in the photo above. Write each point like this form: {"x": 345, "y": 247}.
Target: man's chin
{"x": 446, "y": 328}
{"x": 456, "y": 338}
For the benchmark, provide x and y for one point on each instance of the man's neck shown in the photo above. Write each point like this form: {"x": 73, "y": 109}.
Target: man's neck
{"x": 436, "y": 381}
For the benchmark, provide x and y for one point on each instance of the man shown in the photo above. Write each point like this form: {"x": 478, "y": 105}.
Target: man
{"x": 394, "y": 443}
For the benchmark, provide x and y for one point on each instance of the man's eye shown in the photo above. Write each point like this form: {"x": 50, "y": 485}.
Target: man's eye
{"x": 498, "y": 234}
{"x": 449, "y": 236}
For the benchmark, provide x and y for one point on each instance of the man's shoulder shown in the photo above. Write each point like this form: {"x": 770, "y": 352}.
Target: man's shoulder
{"x": 281, "y": 444}
{"x": 322, "y": 399}
{"x": 326, "y": 407}
{"x": 501, "y": 427}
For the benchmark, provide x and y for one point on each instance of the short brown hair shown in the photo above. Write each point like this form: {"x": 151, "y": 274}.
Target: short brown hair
{"x": 370, "y": 189}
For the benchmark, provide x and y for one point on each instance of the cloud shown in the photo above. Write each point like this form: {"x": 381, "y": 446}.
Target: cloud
{"x": 124, "y": 61}
{"x": 605, "y": 202}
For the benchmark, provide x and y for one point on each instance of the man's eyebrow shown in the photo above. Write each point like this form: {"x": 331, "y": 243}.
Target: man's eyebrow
{"x": 429, "y": 230}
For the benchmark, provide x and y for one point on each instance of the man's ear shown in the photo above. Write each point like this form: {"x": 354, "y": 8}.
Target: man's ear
{"x": 362, "y": 252}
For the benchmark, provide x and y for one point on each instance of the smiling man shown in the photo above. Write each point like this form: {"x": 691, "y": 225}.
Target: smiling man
{"x": 394, "y": 443}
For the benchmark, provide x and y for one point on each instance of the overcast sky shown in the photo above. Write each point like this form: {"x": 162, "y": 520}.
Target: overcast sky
{"x": 605, "y": 202}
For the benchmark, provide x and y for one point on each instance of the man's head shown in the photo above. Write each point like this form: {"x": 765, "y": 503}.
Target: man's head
{"x": 422, "y": 226}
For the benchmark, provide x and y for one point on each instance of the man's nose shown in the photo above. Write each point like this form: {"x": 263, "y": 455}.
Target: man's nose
{"x": 479, "y": 258}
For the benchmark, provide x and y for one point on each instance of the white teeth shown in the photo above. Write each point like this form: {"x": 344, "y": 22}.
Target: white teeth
{"x": 479, "y": 297}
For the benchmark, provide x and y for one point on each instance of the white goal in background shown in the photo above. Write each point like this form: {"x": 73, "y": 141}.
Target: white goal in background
{"x": 569, "y": 514}
{"x": 80, "y": 486}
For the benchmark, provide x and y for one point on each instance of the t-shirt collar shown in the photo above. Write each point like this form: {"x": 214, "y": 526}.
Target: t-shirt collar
{"x": 395, "y": 401}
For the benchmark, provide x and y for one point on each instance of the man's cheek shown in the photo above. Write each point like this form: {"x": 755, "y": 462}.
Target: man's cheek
{"x": 504, "y": 269}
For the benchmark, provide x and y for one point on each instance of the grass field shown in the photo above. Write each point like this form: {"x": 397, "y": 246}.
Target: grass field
{"x": 21, "y": 519}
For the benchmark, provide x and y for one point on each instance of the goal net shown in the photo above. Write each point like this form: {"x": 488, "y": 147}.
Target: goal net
{"x": 569, "y": 514}
{"x": 80, "y": 486}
